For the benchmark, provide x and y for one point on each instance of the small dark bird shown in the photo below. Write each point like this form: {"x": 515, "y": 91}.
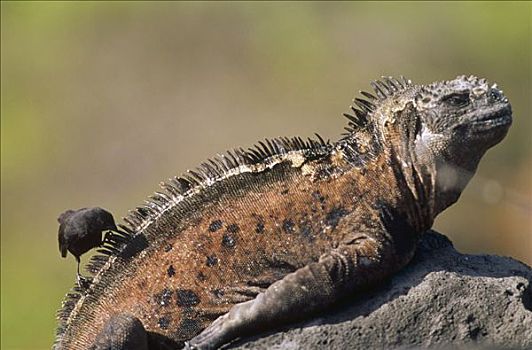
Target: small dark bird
{"x": 81, "y": 230}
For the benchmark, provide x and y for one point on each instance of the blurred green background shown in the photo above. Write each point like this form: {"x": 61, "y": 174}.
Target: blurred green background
{"x": 102, "y": 101}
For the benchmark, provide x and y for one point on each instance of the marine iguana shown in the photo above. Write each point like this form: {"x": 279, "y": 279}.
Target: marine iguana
{"x": 256, "y": 238}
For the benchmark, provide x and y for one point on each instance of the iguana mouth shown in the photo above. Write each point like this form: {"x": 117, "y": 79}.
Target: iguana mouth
{"x": 500, "y": 117}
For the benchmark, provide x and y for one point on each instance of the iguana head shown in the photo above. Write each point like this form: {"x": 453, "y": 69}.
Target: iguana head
{"x": 438, "y": 131}
{"x": 460, "y": 119}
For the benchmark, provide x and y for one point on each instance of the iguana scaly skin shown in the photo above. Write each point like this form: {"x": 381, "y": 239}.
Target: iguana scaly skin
{"x": 258, "y": 238}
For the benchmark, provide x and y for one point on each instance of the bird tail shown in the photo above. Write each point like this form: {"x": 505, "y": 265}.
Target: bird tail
{"x": 63, "y": 251}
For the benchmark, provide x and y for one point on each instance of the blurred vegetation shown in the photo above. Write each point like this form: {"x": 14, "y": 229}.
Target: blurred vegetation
{"x": 102, "y": 100}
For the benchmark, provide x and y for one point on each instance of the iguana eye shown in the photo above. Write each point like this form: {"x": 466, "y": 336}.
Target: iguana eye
{"x": 457, "y": 99}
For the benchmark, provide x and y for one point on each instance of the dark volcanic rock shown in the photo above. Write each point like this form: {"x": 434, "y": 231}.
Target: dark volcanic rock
{"x": 442, "y": 299}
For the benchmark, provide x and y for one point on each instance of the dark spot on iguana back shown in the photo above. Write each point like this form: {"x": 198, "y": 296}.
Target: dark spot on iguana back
{"x": 218, "y": 293}
{"x": 334, "y": 216}
{"x": 215, "y": 225}
{"x": 211, "y": 260}
{"x": 170, "y": 271}
{"x": 164, "y": 297}
{"x": 187, "y": 298}
{"x": 288, "y": 226}
{"x": 233, "y": 228}
{"x": 285, "y": 191}
{"x": 259, "y": 227}
{"x": 228, "y": 240}
{"x": 201, "y": 277}
{"x": 164, "y": 322}
{"x": 189, "y": 327}
{"x": 167, "y": 248}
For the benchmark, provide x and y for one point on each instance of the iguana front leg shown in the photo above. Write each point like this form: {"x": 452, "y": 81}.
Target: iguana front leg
{"x": 359, "y": 262}
{"x": 122, "y": 332}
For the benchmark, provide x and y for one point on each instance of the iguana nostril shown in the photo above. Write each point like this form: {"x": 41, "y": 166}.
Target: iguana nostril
{"x": 495, "y": 95}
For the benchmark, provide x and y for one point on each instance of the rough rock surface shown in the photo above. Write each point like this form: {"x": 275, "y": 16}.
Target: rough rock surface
{"x": 442, "y": 299}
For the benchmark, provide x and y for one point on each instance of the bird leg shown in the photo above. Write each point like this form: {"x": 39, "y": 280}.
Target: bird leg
{"x": 78, "y": 260}
{"x": 83, "y": 282}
